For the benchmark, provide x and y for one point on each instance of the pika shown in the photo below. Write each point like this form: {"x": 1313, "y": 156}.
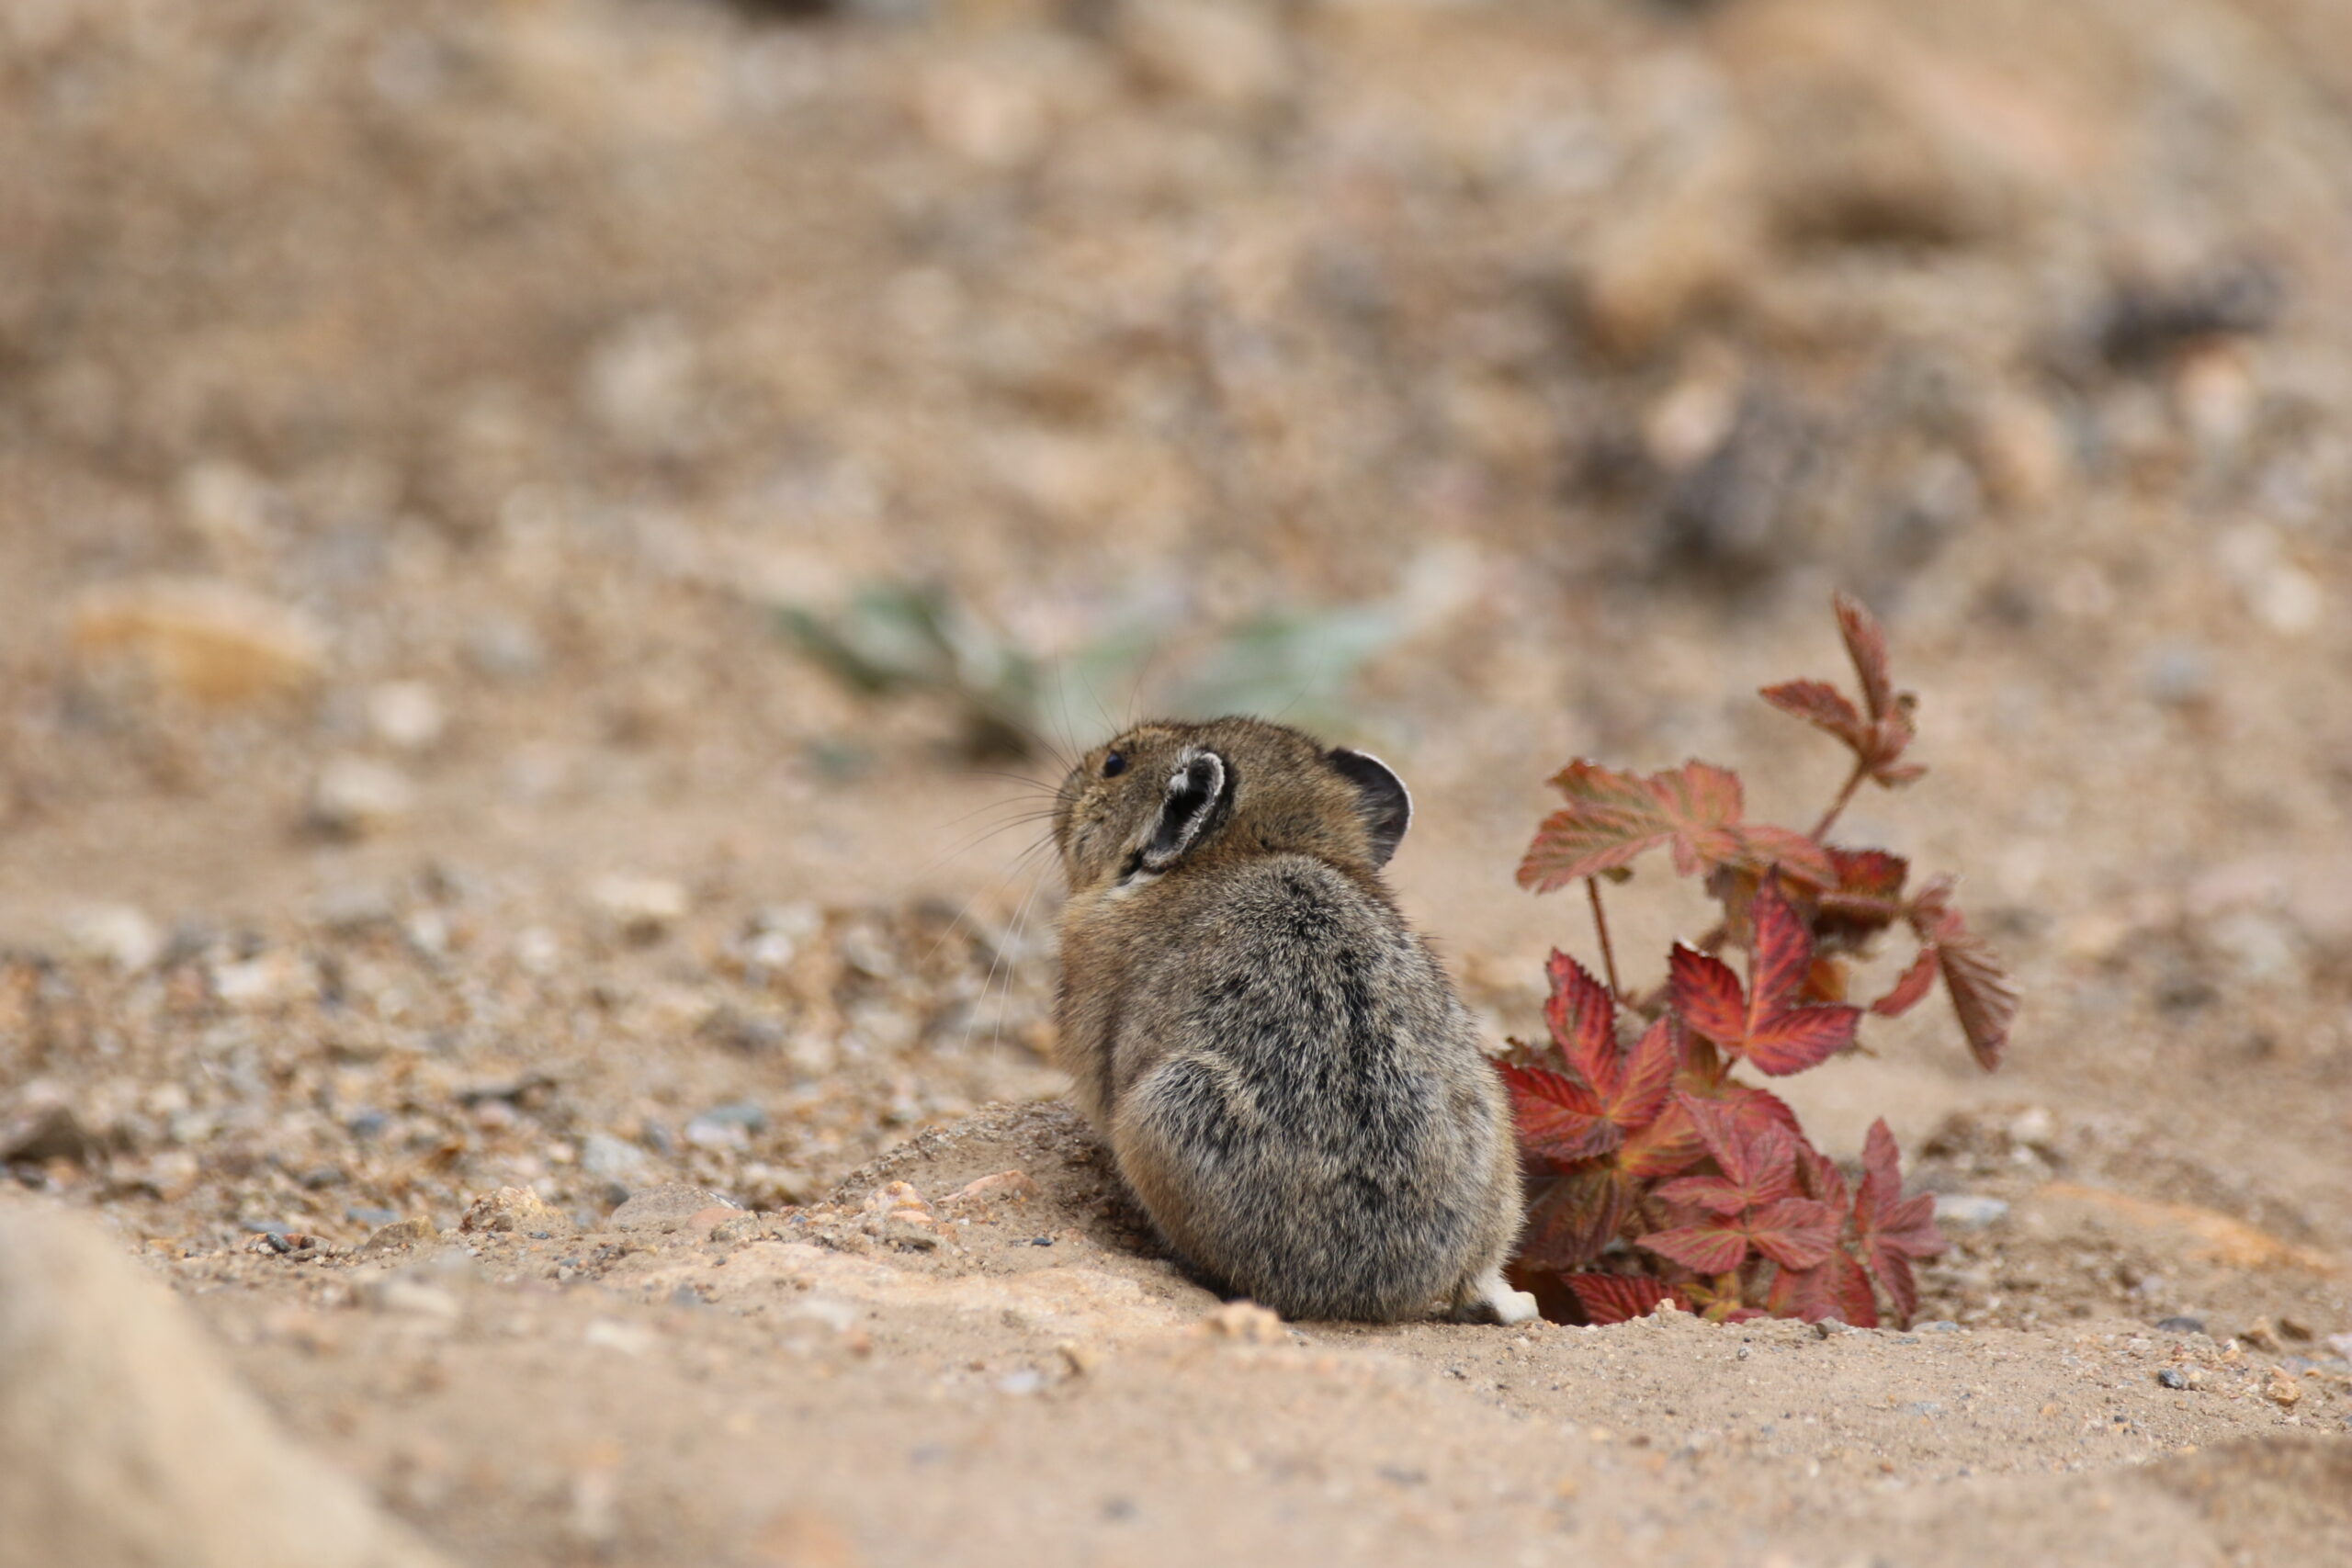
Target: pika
{"x": 1283, "y": 1073}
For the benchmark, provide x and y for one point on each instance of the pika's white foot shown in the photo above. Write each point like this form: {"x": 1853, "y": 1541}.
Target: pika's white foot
{"x": 1491, "y": 1298}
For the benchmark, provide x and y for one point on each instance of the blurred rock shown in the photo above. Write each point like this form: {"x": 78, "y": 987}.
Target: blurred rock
{"x": 1004, "y": 1187}
{"x": 505, "y": 649}
{"x": 114, "y": 934}
{"x": 2178, "y": 674}
{"x": 124, "y": 1444}
{"x": 400, "y": 1235}
{"x": 641, "y": 907}
{"x": 640, "y": 385}
{"x": 50, "y": 1131}
{"x": 1969, "y": 1212}
{"x": 1686, "y": 248}
{"x": 673, "y": 1206}
{"x": 2146, "y": 320}
{"x": 986, "y": 116}
{"x": 406, "y": 715}
{"x": 514, "y": 1211}
{"x": 353, "y": 796}
{"x": 209, "y": 640}
{"x": 613, "y": 1160}
{"x": 409, "y": 1294}
{"x": 1223, "y": 52}
{"x": 268, "y": 979}
{"x": 2262, "y": 947}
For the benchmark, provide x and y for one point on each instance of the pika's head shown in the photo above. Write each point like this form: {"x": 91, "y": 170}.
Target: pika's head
{"x": 1168, "y": 794}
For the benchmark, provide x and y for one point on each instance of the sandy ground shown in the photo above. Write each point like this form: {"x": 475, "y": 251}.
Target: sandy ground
{"x": 501, "y": 369}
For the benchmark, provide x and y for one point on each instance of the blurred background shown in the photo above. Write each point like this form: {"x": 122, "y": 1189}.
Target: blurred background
{"x": 540, "y": 540}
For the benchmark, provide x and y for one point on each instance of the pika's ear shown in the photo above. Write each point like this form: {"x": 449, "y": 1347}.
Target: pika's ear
{"x": 1198, "y": 788}
{"x": 1386, "y": 804}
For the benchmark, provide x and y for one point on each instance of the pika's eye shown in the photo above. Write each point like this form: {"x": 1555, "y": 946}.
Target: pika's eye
{"x": 1113, "y": 765}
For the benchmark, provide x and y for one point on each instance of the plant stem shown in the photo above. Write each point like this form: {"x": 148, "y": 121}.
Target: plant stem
{"x": 1853, "y": 781}
{"x": 1601, "y": 924}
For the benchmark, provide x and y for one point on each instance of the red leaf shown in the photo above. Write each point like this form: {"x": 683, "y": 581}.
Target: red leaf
{"x": 1867, "y": 899}
{"x": 1612, "y": 817}
{"x": 1866, "y": 645}
{"x": 1760, "y": 1107}
{"x": 1710, "y": 1193}
{"x": 1708, "y": 1249}
{"x": 1571, "y": 1215}
{"x": 1558, "y": 1117}
{"x": 1666, "y": 1147}
{"x": 1583, "y": 1020}
{"x": 1620, "y": 1298}
{"x": 1883, "y": 729}
{"x": 1822, "y": 1178}
{"x": 1777, "y": 1037}
{"x": 1780, "y": 950}
{"x": 1893, "y": 1229}
{"x": 1640, "y": 1094}
{"x": 1982, "y": 996}
{"x": 1706, "y": 993}
{"x": 1754, "y": 1154}
{"x": 1624, "y": 1089}
{"x": 1836, "y": 1288}
{"x": 1821, "y": 704}
{"x": 1906, "y": 991}
{"x": 1795, "y": 1232}
{"x": 1801, "y": 1038}
{"x": 1788, "y": 852}
{"x": 1871, "y": 873}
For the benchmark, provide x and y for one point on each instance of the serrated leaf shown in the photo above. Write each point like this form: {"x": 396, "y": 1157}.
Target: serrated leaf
{"x": 1893, "y": 1229}
{"x": 1694, "y": 810}
{"x": 1835, "y": 1288}
{"x": 1582, "y": 1017}
{"x": 1756, "y": 1155}
{"x": 1865, "y": 642}
{"x": 1907, "y": 990}
{"x": 1558, "y": 1117}
{"x": 1667, "y": 1146}
{"x": 1707, "y": 995}
{"x": 1572, "y": 1213}
{"x": 1796, "y": 1233}
{"x": 1881, "y": 729}
{"x": 1620, "y": 1298}
{"x": 1764, "y": 1025}
{"x": 1821, "y": 704}
{"x": 1707, "y": 1249}
{"x": 1983, "y": 996}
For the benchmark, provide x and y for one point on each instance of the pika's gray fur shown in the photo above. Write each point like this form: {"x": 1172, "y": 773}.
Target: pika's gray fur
{"x": 1285, "y": 1075}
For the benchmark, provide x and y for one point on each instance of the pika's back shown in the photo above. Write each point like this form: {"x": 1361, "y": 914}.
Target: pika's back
{"x": 1285, "y": 1078}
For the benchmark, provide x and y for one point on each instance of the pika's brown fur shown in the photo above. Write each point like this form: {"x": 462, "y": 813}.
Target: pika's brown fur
{"x": 1285, "y": 1075}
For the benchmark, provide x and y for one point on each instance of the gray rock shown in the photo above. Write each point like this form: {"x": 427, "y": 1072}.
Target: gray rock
{"x": 514, "y": 1211}
{"x": 52, "y": 1132}
{"x": 123, "y": 1441}
{"x": 608, "y": 1158}
{"x": 1969, "y": 1211}
{"x": 667, "y": 1207}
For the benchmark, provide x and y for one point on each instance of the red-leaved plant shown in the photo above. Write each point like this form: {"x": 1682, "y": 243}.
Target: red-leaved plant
{"x": 1654, "y": 1170}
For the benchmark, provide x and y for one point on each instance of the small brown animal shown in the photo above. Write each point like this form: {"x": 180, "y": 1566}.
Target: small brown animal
{"x": 1283, "y": 1073}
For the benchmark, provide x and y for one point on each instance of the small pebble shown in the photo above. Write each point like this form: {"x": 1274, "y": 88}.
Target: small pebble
{"x": 394, "y": 1234}
{"x": 1968, "y": 1211}
{"x": 2180, "y": 1325}
{"x": 2173, "y": 1377}
{"x": 356, "y": 796}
